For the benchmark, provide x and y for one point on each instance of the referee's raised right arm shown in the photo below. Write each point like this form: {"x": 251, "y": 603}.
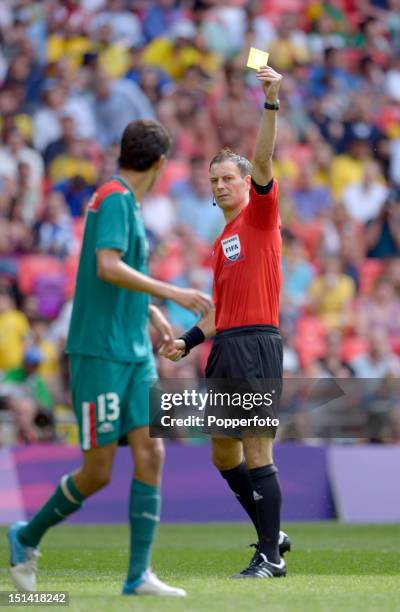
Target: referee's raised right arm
{"x": 265, "y": 142}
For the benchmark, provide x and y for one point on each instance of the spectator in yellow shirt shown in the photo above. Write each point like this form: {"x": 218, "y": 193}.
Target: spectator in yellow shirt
{"x": 290, "y": 46}
{"x": 73, "y": 162}
{"x": 14, "y": 328}
{"x": 331, "y": 294}
{"x": 70, "y": 44}
{"x": 49, "y": 367}
{"x": 185, "y": 48}
{"x": 349, "y": 167}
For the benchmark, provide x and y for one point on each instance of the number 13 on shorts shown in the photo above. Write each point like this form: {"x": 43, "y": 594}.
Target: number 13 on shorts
{"x": 98, "y": 418}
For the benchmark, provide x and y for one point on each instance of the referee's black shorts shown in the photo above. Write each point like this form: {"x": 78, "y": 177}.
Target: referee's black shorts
{"x": 247, "y": 359}
{"x": 247, "y": 352}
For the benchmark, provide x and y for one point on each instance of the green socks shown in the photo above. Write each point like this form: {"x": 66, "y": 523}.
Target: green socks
{"x": 144, "y": 514}
{"x": 65, "y": 500}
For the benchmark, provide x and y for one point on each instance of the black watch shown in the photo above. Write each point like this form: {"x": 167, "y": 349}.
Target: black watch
{"x": 274, "y": 106}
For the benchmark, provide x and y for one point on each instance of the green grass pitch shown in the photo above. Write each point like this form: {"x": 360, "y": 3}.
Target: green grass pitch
{"x": 332, "y": 567}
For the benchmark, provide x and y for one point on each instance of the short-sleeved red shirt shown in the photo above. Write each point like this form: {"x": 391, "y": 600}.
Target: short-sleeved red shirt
{"x": 247, "y": 265}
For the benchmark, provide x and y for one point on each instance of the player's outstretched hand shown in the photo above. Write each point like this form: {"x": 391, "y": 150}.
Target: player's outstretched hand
{"x": 194, "y": 300}
{"x": 174, "y": 352}
{"x": 271, "y": 81}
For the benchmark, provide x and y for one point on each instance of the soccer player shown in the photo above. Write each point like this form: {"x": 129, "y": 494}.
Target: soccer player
{"x": 111, "y": 362}
{"x": 247, "y": 345}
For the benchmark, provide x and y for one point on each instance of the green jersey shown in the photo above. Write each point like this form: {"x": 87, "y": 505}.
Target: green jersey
{"x": 108, "y": 321}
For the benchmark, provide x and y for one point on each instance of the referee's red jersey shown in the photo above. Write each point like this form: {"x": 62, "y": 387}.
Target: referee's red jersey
{"x": 247, "y": 265}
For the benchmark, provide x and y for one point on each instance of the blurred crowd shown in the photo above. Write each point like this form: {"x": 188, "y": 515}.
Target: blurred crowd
{"x": 74, "y": 73}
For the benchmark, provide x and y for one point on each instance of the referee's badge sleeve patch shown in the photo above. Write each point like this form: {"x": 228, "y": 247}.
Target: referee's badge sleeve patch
{"x": 231, "y": 247}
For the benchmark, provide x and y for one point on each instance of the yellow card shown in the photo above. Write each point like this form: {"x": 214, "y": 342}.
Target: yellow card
{"x": 257, "y": 58}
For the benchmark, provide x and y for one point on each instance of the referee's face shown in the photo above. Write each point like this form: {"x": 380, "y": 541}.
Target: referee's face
{"x": 230, "y": 189}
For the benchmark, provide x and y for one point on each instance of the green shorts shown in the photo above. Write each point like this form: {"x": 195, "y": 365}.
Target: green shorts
{"x": 109, "y": 398}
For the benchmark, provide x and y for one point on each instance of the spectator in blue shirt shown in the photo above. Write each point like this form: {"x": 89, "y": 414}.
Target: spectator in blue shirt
{"x": 194, "y": 203}
{"x": 116, "y": 104}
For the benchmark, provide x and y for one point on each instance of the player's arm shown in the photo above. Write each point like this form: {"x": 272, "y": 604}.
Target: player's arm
{"x": 266, "y": 136}
{"x": 204, "y": 329}
{"x": 162, "y": 326}
{"x": 111, "y": 269}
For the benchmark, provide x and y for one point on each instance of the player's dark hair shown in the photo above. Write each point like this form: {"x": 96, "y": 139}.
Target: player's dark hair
{"x": 143, "y": 143}
{"x": 243, "y": 164}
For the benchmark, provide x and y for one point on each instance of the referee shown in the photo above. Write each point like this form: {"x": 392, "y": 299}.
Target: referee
{"x": 247, "y": 345}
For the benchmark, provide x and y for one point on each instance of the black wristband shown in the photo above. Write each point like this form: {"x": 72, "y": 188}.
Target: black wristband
{"x": 192, "y": 338}
{"x": 272, "y": 105}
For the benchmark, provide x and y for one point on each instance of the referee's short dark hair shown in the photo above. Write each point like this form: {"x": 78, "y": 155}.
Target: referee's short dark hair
{"x": 243, "y": 164}
{"x": 143, "y": 143}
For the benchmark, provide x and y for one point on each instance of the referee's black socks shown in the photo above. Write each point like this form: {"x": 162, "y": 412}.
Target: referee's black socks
{"x": 268, "y": 499}
{"x": 239, "y": 481}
